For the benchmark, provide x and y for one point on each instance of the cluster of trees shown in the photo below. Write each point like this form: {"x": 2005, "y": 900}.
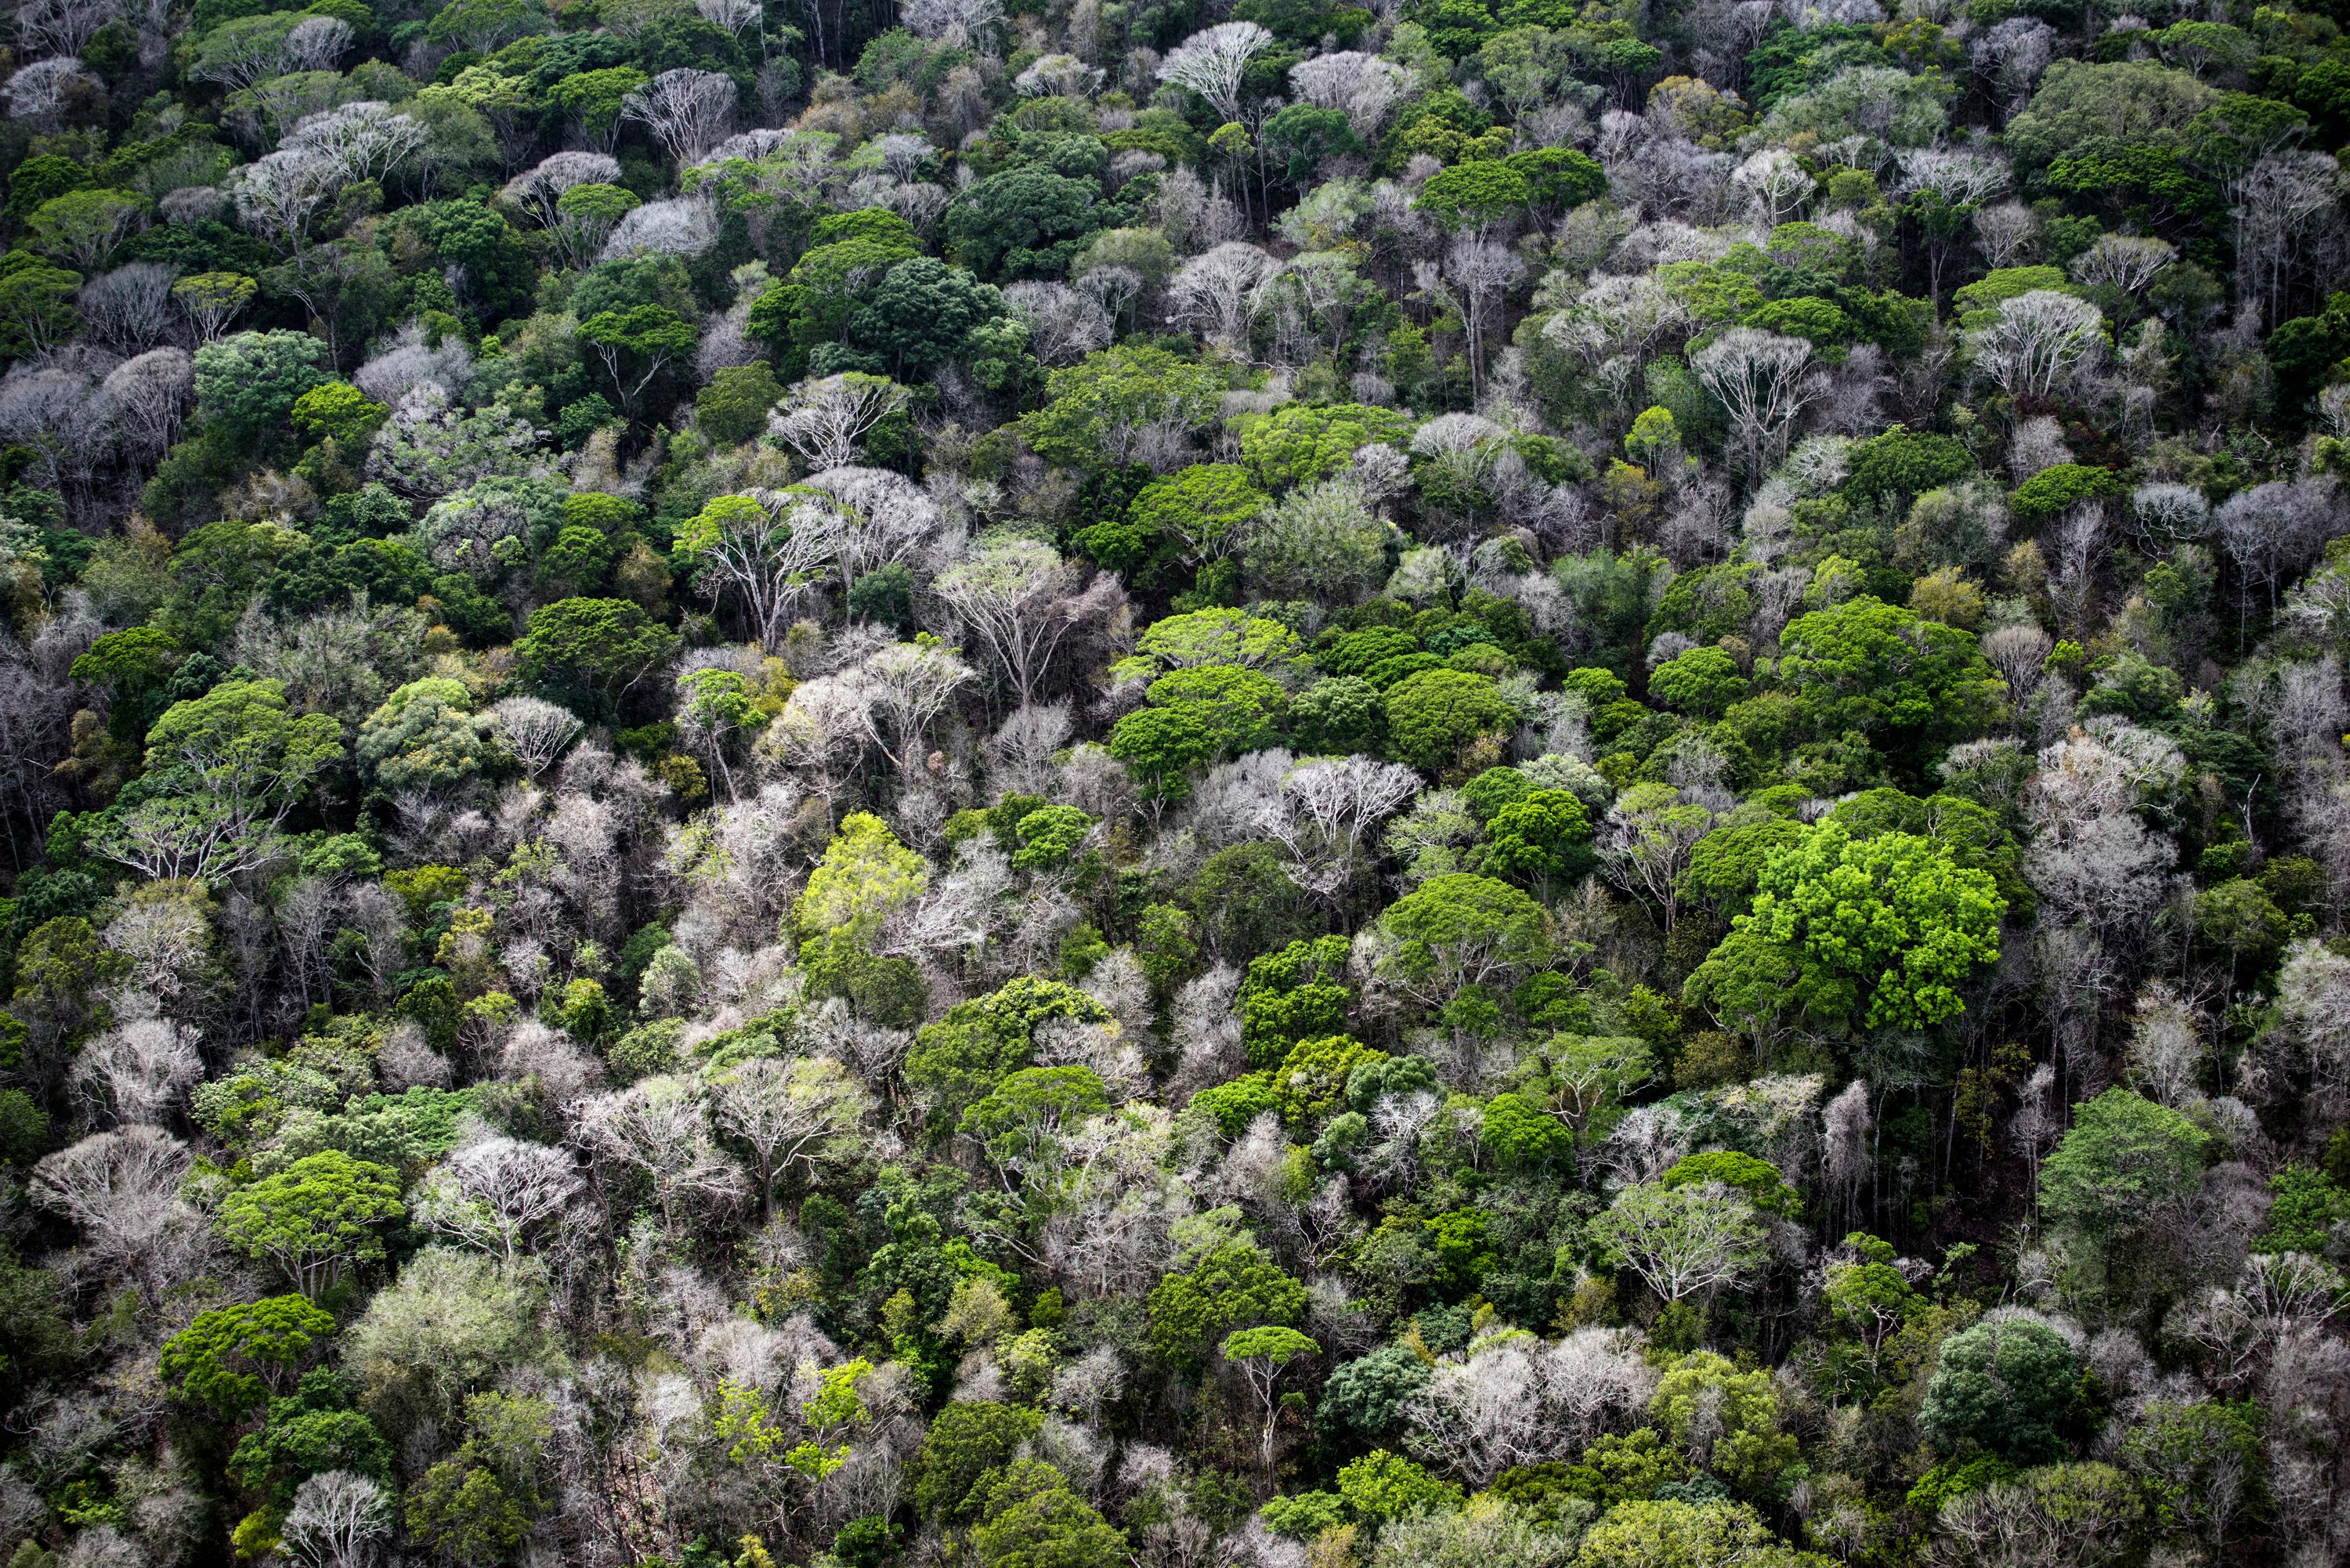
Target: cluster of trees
{"x": 1220, "y": 783}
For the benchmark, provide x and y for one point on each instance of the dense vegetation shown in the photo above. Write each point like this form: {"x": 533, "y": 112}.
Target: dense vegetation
{"x": 1211, "y": 784}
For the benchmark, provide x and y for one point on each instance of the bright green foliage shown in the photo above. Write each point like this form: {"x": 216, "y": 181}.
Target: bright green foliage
{"x": 2187, "y": 1456}
{"x": 1524, "y": 1136}
{"x": 232, "y": 1359}
{"x": 1294, "y": 995}
{"x": 1233, "y": 1286}
{"x": 427, "y": 736}
{"x": 1298, "y": 444}
{"x": 1878, "y": 932}
{"x": 1049, "y": 837}
{"x": 1028, "y": 1518}
{"x": 2309, "y": 1205}
{"x": 1459, "y": 930}
{"x": 962, "y": 1056}
{"x": 1877, "y": 668}
{"x": 1383, "y": 1486}
{"x": 2002, "y": 1386}
{"x": 1213, "y": 637}
{"x": 1097, "y": 409}
{"x": 1738, "y": 1408}
{"x": 1017, "y": 1121}
{"x": 592, "y": 649}
{"x": 1474, "y": 195}
{"x": 240, "y": 742}
{"x": 1434, "y": 714}
{"x": 1366, "y": 1394}
{"x": 1312, "y": 1080}
{"x": 314, "y": 1219}
{"x": 734, "y": 406}
{"x": 478, "y": 1504}
{"x": 1703, "y": 682}
{"x": 2057, "y": 489}
{"x": 310, "y": 1431}
{"x": 2126, "y": 1164}
{"x": 863, "y": 876}
{"x": 1759, "y": 1180}
{"x": 247, "y": 384}
{"x": 337, "y": 411}
{"x": 1540, "y": 840}
{"x": 1652, "y": 1534}
{"x": 965, "y": 1444}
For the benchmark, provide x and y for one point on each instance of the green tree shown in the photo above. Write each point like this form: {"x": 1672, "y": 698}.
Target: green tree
{"x": 1651, "y": 1534}
{"x": 37, "y": 304}
{"x": 2126, "y": 1165}
{"x": 1848, "y": 932}
{"x": 1432, "y": 715}
{"x": 1025, "y": 221}
{"x": 923, "y": 313}
{"x": 309, "y": 1432}
{"x": 1703, "y": 682}
{"x": 81, "y": 228}
{"x": 248, "y": 383}
{"x": 593, "y": 650}
{"x": 1233, "y": 1285}
{"x": 2003, "y": 1387}
{"x": 230, "y": 1360}
{"x": 1524, "y": 1136}
{"x": 427, "y": 736}
{"x": 337, "y": 411}
{"x": 966, "y": 1443}
{"x": 1262, "y": 1355}
{"x": 1028, "y": 1518}
{"x": 636, "y": 345}
{"x": 1474, "y": 195}
{"x": 734, "y": 408}
{"x": 1459, "y": 930}
{"x": 316, "y": 1218}
{"x": 1381, "y": 1487}
{"x": 1201, "y": 512}
{"x": 1876, "y": 668}
{"x": 1096, "y": 410}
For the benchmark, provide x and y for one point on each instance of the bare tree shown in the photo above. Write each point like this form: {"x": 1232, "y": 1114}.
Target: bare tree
{"x": 1212, "y": 63}
{"x": 764, "y": 549}
{"x": 1219, "y": 293}
{"x": 2004, "y": 231}
{"x": 2038, "y": 343}
{"x": 1017, "y": 598}
{"x": 494, "y": 1193}
{"x": 1064, "y": 323}
{"x": 536, "y": 190}
{"x": 828, "y": 420}
{"x": 2280, "y": 204}
{"x": 131, "y": 309}
{"x": 2126, "y": 262}
{"x": 912, "y": 684}
{"x": 278, "y": 197}
{"x": 537, "y": 732}
{"x": 686, "y": 111}
{"x": 62, "y": 26}
{"x": 1520, "y": 1401}
{"x": 1759, "y": 377}
{"x": 335, "y": 1521}
{"x": 1685, "y": 1240}
{"x": 1774, "y": 183}
{"x": 660, "y": 1127}
{"x": 788, "y": 1112}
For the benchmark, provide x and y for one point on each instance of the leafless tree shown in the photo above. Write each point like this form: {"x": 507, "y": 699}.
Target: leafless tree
{"x": 2004, "y": 231}
{"x": 1524, "y": 1402}
{"x": 828, "y": 420}
{"x": 2126, "y": 262}
{"x": 493, "y": 1194}
{"x": 875, "y": 517}
{"x": 131, "y": 309}
{"x": 1021, "y": 600}
{"x": 141, "y": 1070}
{"x": 660, "y": 1127}
{"x": 537, "y": 189}
{"x": 1064, "y": 323}
{"x": 1212, "y": 63}
{"x": 1774, "y": 183}
{"x": 1364, "y": 86}
{"x": 62, "y": 26}
{"x": 1219, "y": 294}
{"x": 2281, "y": 205}
{"x": 146, "y": 399}
{"x": 2038, "y": 343}
{"x": 686, "y": 111}
{"x": 364, "y": 141}
{"x": 788, "y": 1113}
{"x": 1759, "y": 377}
{"x": 537, "y": 732}
{"x": 912, "y": 684}
{"x": 278, "y": 197}
{"x": 335, "y": 1521}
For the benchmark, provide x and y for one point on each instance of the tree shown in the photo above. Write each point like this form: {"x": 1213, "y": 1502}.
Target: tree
{"x": 1025, "y": 222}
{"x": 828, "y": 420}
{"x": 1432, "y": 716}
{"x": 82, "y": 228}
{"x": 316, "y": 1218}
{"x": 1233, "y": 1285}
{"x": 1122, "y": 405}
{"x": 1262, "y": 1355}
{"x": 636, "y": 345}
{"x": 1203, "y": 512}
{"x": 247, "y": 384}
{"x": 599, "y": 649}
{"x": 2002, "y": 1386}
{"x": 1879, "y": 668}
{"x": 1685, "y": 1240}
{"x": 1879, "y": 932}
{"x": 660, "y": 1127}
{"x": 2127, "y": 1166}
{"x": 426, "y": 736}
{"x": 2037, "y": 343}
{"x": 1221, "y": 291}
{"x": 1028, "y": 1518}
{"x": 37, "y": 304}
{"x": 1212, "y": 63}
{"x": 790, "y": 1112}
{"x": 231, "y": 1360}
{"x": 1018, "y": 598}
{"x": 687, "y": 111}
{"x": 2084, "y": 1514}
{"x": 1636, "y": 1534}
{"x": 228, "y": 767}
{"x": 923, "y": 313}
{"x": 1759, "y": 379}
{"x": 336, "y": 1519}
{"x": 1458, "y": 931}
{"x": 494, "y": 1193}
